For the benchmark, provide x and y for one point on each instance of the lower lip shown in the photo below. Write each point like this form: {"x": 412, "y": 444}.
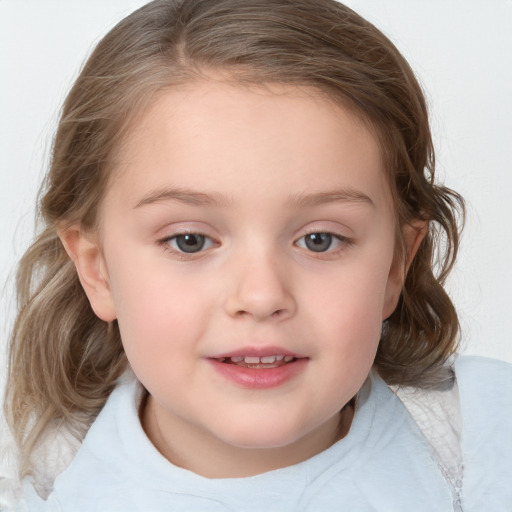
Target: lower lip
{"x": 260, "y": 378}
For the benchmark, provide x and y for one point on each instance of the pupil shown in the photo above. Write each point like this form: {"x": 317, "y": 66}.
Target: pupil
{"x": 190, "y": 243}
{"x": 318, "y": 242}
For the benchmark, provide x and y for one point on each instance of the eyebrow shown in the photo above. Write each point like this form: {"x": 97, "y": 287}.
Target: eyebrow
{"x": 331, "y": 196}
{"x": 185, "y": 196}
{"x": 194, "y": 198}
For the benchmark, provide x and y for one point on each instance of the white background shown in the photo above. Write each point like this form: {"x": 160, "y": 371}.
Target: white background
{"x": 460, "y": 49}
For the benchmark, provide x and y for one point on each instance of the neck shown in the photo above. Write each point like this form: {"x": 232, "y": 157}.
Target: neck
{"x": 194, "y": 449}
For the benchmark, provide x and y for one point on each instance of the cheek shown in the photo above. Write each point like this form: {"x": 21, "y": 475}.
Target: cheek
{"x": 347, "y": 308}
{"x": 158, "y": 312}
{"x": 351, "y": 332}
{"x": 353, "y": 292}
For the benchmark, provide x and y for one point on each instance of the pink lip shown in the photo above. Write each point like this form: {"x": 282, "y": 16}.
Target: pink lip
{"x": 259, "y": 378}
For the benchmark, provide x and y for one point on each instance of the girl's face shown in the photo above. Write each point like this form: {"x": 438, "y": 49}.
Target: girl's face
{"x": 247, "y": 251}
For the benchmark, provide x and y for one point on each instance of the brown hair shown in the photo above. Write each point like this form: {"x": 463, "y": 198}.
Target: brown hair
{"x": 64, "y": 361}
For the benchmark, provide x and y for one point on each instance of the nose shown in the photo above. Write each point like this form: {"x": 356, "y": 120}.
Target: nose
{"x": 260, "y": 289}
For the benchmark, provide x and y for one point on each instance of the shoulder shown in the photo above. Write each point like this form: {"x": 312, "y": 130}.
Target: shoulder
{"x": 98, "y": 468}
{"x": 485, "y": 396}
{"x": 492, "y": 369}
{"x": 485, "y": 387}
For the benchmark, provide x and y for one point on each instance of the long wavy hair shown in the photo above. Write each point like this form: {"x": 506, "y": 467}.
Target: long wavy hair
{"x": 64, "y": 361}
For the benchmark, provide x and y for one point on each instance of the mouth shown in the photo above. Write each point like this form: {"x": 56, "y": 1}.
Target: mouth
{"x": 271, "y": 361}
{"x": 259, "y": 367}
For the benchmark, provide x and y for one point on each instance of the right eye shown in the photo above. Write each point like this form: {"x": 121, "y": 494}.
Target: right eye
{"x": 189, "y": 242}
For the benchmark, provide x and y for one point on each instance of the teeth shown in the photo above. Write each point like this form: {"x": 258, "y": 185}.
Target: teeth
{"x": 251, "y": 360}
{"x": 259, "y": 360}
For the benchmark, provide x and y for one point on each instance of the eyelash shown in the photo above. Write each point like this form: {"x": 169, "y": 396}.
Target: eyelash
{"x": 343, "y": 242}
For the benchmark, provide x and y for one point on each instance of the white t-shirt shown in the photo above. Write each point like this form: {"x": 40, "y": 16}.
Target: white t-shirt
{"x": 385, "y": 463}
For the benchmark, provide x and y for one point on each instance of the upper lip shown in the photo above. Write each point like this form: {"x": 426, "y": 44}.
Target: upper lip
{"x": 256, "y": 351}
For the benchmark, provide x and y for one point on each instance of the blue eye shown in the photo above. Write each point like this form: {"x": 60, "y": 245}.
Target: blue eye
{"x": 189, "y": 242}
{"x": 318, "y": 242}
{"x": 321, "y": 242}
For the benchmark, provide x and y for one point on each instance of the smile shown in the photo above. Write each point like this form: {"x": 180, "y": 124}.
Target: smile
{"x": 268, "y": 369}
{"x": 273, "y": 361}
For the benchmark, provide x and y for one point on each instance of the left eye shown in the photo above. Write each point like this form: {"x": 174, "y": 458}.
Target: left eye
{"x": 318, "y": 242}
{"x": 189, "y": 242}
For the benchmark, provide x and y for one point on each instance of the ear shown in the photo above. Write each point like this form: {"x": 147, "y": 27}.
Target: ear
{"x": 412, "y": 234}
{"x": 92, "y": 270}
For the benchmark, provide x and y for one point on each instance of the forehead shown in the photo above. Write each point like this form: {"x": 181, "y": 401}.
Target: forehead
{"x": 213, "y": 133}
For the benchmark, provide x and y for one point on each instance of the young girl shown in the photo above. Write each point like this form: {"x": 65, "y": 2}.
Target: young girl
{"x": 233, "y": 303}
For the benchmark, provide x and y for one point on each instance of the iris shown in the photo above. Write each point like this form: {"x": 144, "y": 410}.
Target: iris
{"x": 318, "y": 242}
{"x": 190, "y": 243}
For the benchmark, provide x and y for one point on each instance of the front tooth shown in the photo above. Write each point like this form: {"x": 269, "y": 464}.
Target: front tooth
{"x": 251, "y": 360}
{"x": 237, "y": 359}
{"x": 268, "y": 359}
{"x": 279, "y": 358}
{"x": 287, "y": 359}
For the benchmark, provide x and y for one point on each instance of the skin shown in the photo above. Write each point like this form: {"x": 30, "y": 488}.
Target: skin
{"x": 271, "y": 165}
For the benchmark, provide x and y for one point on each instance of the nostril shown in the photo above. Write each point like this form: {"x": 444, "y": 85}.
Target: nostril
{"x": 244, "y": 303}
{"x": 279, "y": 313}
